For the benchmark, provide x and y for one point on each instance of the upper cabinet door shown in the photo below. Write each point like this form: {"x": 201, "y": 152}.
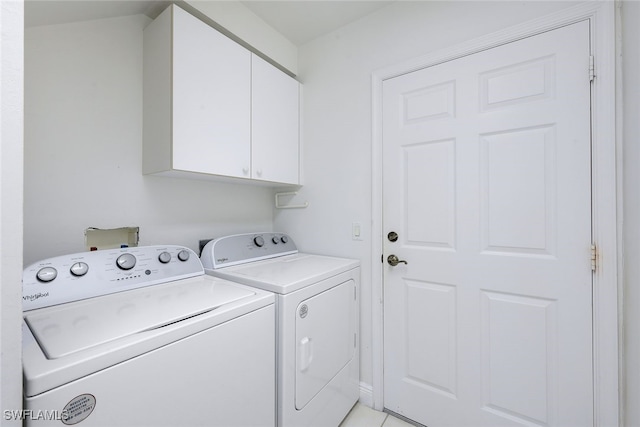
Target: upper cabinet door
{"x": 214, "y": 110}
{"x": 211, "y": 100}
{"x": 275, "y": 124}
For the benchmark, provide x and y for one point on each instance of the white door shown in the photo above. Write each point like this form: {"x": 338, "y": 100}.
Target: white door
{"x": 487, "y": 184}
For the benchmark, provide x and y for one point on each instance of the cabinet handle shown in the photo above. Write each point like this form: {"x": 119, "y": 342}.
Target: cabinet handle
{"x": 259, "y": 172}
{"x": 245, "y": 171}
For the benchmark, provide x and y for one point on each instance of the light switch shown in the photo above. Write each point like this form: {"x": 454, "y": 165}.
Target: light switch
{"x": 356, "y": 231}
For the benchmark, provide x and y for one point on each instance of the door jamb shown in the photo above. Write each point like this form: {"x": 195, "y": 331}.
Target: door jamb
{"x": 606, "y": 168}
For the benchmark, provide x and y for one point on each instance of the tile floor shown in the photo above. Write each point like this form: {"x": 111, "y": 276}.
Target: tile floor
{"x": 363, "y": 416}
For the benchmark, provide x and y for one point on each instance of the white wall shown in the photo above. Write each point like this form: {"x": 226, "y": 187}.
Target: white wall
{"x": 631, "y": 168}
{"x": 83, "y": 145}
{"x": 336, "y": 73}
{"x": 245, "y": 25}
{"x": 11, "y": 127}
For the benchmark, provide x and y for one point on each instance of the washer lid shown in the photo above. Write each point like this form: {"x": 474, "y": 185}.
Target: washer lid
{"x": 69, "y": 328}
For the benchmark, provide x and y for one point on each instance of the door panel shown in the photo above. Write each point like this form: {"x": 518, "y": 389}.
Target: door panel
{"x": 430, "y": 311}
{"x": 518, "y": 219}
{"x": 430, "y": 201}
{"x": 487, "y": 174}
{"x": 521, "y": 342}
{"x": 325, "y": 337}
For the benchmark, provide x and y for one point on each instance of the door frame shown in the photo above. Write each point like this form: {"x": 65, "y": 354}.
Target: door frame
{"x": 606, "y": 169}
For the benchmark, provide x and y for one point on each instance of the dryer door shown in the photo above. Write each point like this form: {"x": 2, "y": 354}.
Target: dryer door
{"x": 325, "y": 337}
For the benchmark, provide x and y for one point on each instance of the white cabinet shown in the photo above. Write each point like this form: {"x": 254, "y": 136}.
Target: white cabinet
{"x": 197, "y": 98}
{"x": 274, "y": 124}
{"x": 214, "y": 109}
{"x": 211, "y": 99}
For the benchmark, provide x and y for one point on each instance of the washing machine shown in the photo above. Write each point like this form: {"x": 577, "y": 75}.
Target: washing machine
{"x": 142, "y": 337}
{"x": 317, "y": 312}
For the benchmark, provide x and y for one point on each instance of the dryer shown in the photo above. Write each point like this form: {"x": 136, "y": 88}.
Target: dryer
{"x": 142, "y": 337}
{"x": 317, "y": 312}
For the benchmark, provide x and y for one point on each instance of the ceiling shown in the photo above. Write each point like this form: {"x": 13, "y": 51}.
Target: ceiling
{"x": 298, "y": 20}
{"x": 50, "y": 12}
{"x": 304, "y": 20}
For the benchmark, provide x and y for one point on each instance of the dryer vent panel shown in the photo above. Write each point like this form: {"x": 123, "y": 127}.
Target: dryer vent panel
{"x": 96, "y": 238}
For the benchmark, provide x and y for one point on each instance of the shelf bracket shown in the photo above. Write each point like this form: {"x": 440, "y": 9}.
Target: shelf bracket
{"x": 289, "y": 193}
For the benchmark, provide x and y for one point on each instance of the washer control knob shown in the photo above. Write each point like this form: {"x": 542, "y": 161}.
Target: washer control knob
{"x": 126, "y": 261}
{"x": 275, "y": 240}
{"x": 47, "y": 274}
{"x": 284, "y": 239}
{"x": 183, "y": 255}
{"x": 259, "y": 241}
{"x": 164, "y": 257}
{"x": 79, "y": 269}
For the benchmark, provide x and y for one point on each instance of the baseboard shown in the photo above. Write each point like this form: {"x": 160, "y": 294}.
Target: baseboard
{"x": 366, "y": 394}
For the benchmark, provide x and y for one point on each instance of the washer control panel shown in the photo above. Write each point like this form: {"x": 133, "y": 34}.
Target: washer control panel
{"x": 243, "y": 248}
{"x": 84, "y": 275}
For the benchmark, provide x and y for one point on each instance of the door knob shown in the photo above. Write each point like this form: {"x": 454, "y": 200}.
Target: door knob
{"x": 393, "y": 260}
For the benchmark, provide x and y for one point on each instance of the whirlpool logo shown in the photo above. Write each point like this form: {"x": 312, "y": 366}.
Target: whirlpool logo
{"x": 36, "y": 296}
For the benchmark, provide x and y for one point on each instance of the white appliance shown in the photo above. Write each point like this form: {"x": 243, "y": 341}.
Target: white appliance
{"x": 142, "y": 337}
{"x": 317, "y": 305}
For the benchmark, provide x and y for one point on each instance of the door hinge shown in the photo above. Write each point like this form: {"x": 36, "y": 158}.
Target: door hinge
{"x": 594, "y": 258}
{"x": 592, "y": 68}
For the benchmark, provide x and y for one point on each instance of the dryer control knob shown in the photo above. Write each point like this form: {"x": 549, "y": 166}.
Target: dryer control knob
{"x": 164, "y": 257}
{"x": 126, "y": 261}
{"x": 47, "y": 274}
{"x": 79, "y": 269}
{"x": 259, "y": 241}
{"x": 183, "y": 255}
{"x": 284, "y": 239}
{"x": 275, "y": 240}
